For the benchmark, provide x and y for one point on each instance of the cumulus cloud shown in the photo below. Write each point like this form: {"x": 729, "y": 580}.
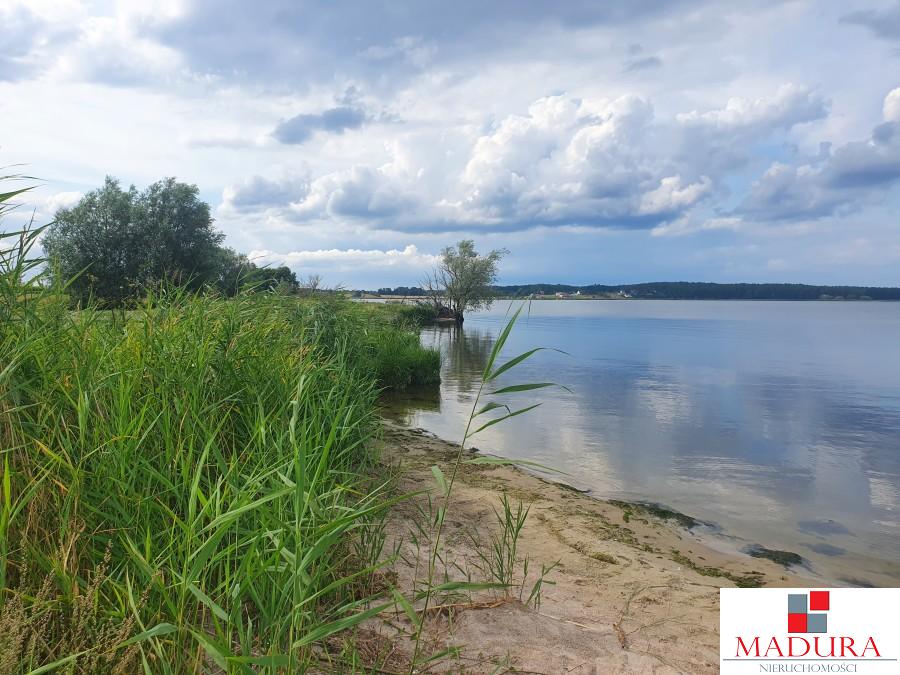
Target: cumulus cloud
{"x": 720, "y": 138}
{"x": 891, "y": 108}
{"x": 567, "y": 161}
{"x": 61, "y": 200}
{"x": 358, "y": 192}
{"x": 841, "y": 180}
{"x": 671, "y": 196}
{"x": 408, "y": 259}
{"x": 69, "y": 42}
{"x": 110, "y": 51}
{"x": 792, "y": 104}
{"x": 300, "y": 128}
{"x": 564, "y": 161}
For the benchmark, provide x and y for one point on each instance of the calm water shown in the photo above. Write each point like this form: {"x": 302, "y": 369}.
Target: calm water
{"x": 779, "y": 422}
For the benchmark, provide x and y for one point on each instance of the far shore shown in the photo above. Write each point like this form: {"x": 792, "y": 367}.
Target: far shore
{"x": 634, "y": 590}
{"x": 419, "y": 298}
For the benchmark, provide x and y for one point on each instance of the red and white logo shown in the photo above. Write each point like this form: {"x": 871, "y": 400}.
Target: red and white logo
{"x": 782, "y": 630}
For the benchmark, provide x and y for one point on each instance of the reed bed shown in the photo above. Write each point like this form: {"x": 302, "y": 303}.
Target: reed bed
{"x": 188, "y": 486}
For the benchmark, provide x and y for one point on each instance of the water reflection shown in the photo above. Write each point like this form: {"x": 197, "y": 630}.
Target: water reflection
{"x": 780, "y": 421}
{"x": 465, "y": 353}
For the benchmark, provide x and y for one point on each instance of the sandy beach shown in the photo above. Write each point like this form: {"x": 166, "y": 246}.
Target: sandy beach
{"x": 633, "y": 590}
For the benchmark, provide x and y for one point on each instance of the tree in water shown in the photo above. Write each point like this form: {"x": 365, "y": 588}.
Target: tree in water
{"x": 463, "y": 280}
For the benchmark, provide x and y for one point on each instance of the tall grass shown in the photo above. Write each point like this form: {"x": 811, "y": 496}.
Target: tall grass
{"x": 185, "y": 487}
{"x": 501, "y": 560}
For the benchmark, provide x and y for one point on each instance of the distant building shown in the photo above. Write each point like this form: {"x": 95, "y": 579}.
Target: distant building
{"x": 562, "y": 295}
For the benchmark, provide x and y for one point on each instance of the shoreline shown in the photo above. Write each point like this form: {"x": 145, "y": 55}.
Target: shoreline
{"x": 632, "y": 590}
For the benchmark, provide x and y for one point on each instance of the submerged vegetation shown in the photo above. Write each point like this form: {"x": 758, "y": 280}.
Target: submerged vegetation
{"x": 188, "y": 485}
{"x": 629, "y": 509}
{"x": 786, "y": 558}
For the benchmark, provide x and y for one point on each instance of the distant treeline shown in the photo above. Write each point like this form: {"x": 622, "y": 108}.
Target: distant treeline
{"x": 688, "y": 290}
{"x": 692, "y": 290}
{"x": 399, "y": 290}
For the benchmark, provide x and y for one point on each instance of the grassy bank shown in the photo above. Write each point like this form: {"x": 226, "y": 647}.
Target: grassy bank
{"x": 188, "y": 486}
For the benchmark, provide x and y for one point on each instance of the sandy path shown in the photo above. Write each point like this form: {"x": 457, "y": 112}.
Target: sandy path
{"x": 631, "y": 594}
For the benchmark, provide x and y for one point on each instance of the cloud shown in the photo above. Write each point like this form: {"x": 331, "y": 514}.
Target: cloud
{"x": 233, "y": 141}
{"x": 841, "y": 180}
{"x": 21, "y": 31}
{"x": 885, "y": 23}
{"x": 791, "y": 105}
{"x": 672, "y": 197}
{"x": 891, "y": 108}
{"x": 549, "y": 121}
{"x": 408, "y": 259}
{"x": 358, "y": 192}
{"x": 687, "y": 225}
{"x": 721, "y": 139}
{"x": 567, "y": 161}
{"x": 68, "y": 42}
{"x": 109, "y": 50}
{"x": 315, "y": 41}
{"x": 564, "y": 161}
{"x": 411, "y": 49}
{"x": 258, "y": 193}
{"x": 61, "y": 200}
{"x": 300, "y": 128}
{"x": 643, "y": 63}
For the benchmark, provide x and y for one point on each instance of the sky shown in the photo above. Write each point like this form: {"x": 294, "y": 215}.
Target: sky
{"x": 599, "y": 142}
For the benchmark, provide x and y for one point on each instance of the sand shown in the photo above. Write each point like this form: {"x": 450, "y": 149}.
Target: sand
{"x": 631, "y": 592}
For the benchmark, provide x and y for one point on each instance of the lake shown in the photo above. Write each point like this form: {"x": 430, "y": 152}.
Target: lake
{"x": 776, "y": 422}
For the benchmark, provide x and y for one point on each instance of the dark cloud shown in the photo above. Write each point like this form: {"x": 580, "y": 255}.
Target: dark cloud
{"x": 296, "y": 42}
{"x": 258, "y": 193}
{"x": 300, "y": 128}
{"x": 840, "y": 181}
{"x": 885, "y": 23}
{"x": 865, "y": 164}
{"x": 645, "y": 63}
{"x": 21, "y": 32}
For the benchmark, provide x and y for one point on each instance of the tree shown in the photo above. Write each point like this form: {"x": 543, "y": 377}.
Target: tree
{"x": 274, "y": 279}
{"x": 183, "y": 243}
{"x": 98, "y": 245}
{"x": 310, "y": 284}
{"x": 231, "y": 271}
{"x": 235, "y": 273}
{"x": 463, "y": 280}
{"x": 115, "y": 243}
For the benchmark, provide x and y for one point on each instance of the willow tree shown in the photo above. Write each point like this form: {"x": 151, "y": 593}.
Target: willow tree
{"x": 463, "y": 280}
{"x": 116, "y": 243}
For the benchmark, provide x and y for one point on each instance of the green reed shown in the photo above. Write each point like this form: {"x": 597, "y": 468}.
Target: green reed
{"x": 488, "y": 408}
{"x": 186, "y": 486}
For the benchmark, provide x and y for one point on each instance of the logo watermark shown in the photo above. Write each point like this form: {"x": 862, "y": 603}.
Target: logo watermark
{"x": 785, "y": 630}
